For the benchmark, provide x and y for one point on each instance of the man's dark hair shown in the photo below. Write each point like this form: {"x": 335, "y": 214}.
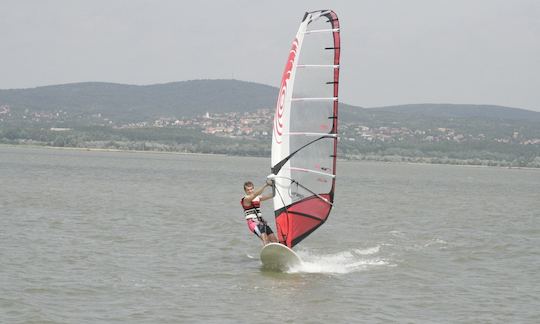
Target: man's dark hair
{"x": 248, "y": 184}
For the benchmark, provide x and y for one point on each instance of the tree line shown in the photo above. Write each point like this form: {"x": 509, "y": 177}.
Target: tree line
{"x": 174, "y": 139}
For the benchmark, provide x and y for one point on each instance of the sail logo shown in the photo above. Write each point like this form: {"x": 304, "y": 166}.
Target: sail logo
{"x": 279, "y": 121}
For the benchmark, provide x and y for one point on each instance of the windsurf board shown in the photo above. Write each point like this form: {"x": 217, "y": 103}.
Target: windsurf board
{"x": 278, "y": 257}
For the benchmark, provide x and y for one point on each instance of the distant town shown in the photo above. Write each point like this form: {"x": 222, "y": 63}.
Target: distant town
{"x": 249, "y": 133}
{"x": 258, "y": 125}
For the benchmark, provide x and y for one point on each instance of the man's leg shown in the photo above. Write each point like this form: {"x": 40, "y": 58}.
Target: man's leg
{"x": 264, "y": 238}
{"x": 272, "y": 238}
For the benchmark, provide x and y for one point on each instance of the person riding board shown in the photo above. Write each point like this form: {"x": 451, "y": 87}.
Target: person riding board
{"x": 251, "y": 203}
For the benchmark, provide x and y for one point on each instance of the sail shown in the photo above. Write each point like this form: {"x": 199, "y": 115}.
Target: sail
{"x": 304, "y": 139}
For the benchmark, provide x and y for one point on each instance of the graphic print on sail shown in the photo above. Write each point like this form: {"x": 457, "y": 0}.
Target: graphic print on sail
{"x": 304, "y": 138}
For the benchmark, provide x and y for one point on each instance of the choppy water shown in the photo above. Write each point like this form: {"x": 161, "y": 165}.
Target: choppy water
{"x": 117, "y": 237}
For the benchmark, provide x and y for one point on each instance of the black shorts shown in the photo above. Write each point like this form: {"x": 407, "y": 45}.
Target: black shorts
{"x": 262, "y": 228}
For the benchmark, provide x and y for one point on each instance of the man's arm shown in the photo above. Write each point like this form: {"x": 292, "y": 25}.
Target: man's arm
{"x": 249, "y": 198}
{"x": 269, "y": 183}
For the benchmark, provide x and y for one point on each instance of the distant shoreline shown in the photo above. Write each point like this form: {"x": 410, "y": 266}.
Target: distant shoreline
{"x": 94, "y": 149}
{"x": 371, "y": 159}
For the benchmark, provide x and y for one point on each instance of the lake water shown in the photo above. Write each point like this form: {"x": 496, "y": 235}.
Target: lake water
{"x": 121, "y": 237}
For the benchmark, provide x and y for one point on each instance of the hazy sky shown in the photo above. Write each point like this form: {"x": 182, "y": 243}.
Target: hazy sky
{"x": 393, "y": 51}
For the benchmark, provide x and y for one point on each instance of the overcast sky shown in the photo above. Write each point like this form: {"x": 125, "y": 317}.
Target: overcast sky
{"x": 393, "y": 51}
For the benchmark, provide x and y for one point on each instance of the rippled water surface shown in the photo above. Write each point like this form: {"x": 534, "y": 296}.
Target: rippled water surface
{"x": 118, "y": 237}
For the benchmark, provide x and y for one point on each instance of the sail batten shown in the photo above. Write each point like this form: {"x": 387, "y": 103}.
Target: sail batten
{"x": 313, "y": 171}
{"x": 304, "y": 139}
{"x": 312, "y": 134}
{"x": 318, "y": 65}
{"x": 322, "y": 31}
{"x": 315, "y": 99}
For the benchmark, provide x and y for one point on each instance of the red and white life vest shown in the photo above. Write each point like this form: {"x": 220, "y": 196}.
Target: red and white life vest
{"x": 253, "y": 211}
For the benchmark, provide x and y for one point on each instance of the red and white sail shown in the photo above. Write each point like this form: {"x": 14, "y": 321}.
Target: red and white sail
{"x": 304, "y": 139}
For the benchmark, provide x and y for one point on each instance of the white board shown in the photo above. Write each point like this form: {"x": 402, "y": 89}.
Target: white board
{"x": 278, "y": 257}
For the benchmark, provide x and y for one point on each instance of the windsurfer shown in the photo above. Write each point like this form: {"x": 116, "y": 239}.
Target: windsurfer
{"x": 251, "y": 203}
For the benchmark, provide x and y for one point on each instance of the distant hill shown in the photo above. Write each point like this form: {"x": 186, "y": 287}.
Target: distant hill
{"x": 102, "y": 115}
{"x": 132, "y": 102}
{"x": 122, "y": 102}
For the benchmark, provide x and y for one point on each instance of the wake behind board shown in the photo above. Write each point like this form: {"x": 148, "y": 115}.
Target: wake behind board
{"x": 278, "y": 257}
